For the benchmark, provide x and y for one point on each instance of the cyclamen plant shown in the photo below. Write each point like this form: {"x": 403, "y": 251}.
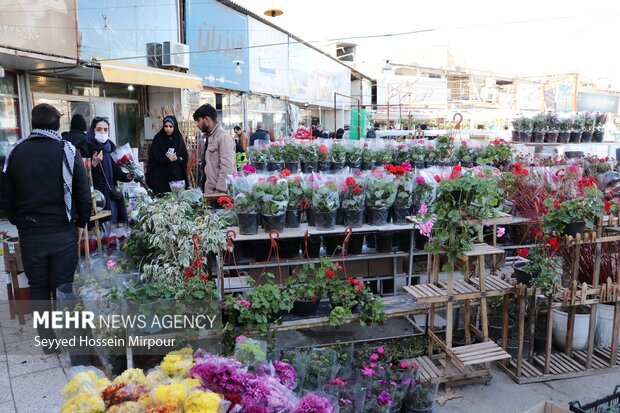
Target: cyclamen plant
{"x": 271, "y": 195}
{"x": 354, "y": 154}
{"x": 380, "y": 189}
{"x": 296, "y": 193}
{"x": 325, "y": 197}
{"x": 404, "y": 179}
{"x": 339, "y": 153}
{"x": 352, "y": 195}
{"x": 423, "y": 191}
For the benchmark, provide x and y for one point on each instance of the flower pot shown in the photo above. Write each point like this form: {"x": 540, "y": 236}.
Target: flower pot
{"x": 538, "y": 136}
{"x": 336, "y": 166}
{"x": 354, "y": 165}
{"x": 292, "y": 166}
{"x": 293, "y": 219}
{"x": 563, "y": 136}
{"x": 580, "y": 330}
{"x": 377, "y": 216}
{"x": 575, "y": 137}
{"x": 248, "y": 223}
{"x": 524, "y": 136}
{"x": 403, "y": 240}
{"x": 598, "y": 136}
{"x": 261, "y": 250}
{"x": 384, "y": 241}
{"x": 551, "y": 136}
{"x": 355, "y": 245}
{"x": 378, "y": 165}
{"x": 540, "y": 344}
{"x": 310, "y": 217}
{"x": 522, "y": 276}
{"x": 333, "y": 244}
{"x": 419, "y": 164}
{"x": 310, "y": 166}
{"x": 370, "y": 241}
{"x": 496, "y": 327}
{"x": 260, "y": 166}
{"x": 515, "y": 136}
{"x": 513, "y": 347}
{"x": 313, "y": 247}
{"x": 304, "y": 308}
{"x": 586, "y": 136}
{"x": 325, "y": 166}
{"x": 400, "y": 214}
{"x": 325, "y": 220}
{"x": 353, "y": 219}
{"x": 604, "y": 326}
{"x": 276, "y": 222}
{"x": 367, "y": 166}
{"x": 275, "y": 166}
{"x": 289, "y": 248}
{"x": 574, "y": 228}
{"x": 340, "y": 217}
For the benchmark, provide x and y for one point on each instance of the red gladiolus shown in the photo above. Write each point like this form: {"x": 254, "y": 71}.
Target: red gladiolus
{"x": 522, "y": 252}
{"x": 188, "y": 272}
{"x": 554, "y": 244}
{"x": 329, "y": 273}
{"x": 350, "y": 181}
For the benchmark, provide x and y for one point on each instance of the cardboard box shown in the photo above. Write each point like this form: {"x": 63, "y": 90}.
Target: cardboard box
{"x": 547, "y": 407}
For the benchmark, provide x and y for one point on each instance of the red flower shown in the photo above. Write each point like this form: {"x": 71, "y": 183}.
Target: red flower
{"x": 357, "y": 190}
{"x": 554, "y": 244}
{"x": 607, "y": 206}
{"x": 323, "y": 149}
{"x": 536, "y": 233}
{"x": 522, "y": 252}
{"x": 198, "y": 262}
{"x": 585, "y": 182}
{"x": 225, "y": 202}
{"x": 329, "y": 273}
{"x": 350, "y": 181}
{"x": 286, "y": 172}
{"x": 296, "y": 178}
{"x": 456, "y": 172}
{"x": 437, "y": 178}
{"x": 544, "y": 210}
{"x": 397, "y": 170}
{"x": 204, "y": 276}
{"x": 188, "y": 272}
{"x": 272, "y": 179}
{"x": 556, "y": 204}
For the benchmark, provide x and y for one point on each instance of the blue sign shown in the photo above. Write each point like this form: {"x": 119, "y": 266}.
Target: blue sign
{"x": 596, "y": 102}
{"x": 217, "y": 37}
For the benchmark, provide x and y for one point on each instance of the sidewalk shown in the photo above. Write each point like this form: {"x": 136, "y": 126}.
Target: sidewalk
{"x": 32, "y": 384}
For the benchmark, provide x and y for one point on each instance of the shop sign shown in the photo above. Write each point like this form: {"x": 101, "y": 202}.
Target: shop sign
{"x": 410, "y": 93}
{"x": 596, "y": 102}
{"x": 268, "y": 65}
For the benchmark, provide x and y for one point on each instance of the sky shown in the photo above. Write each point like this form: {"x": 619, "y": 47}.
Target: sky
{"x": 525, "y": 38}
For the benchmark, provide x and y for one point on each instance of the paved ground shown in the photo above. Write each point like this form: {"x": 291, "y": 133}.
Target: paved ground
{"x": 32, "y": 384}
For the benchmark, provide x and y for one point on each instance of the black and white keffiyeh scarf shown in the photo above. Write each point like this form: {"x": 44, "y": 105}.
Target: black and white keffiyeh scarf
{"x": 67, "y": 165}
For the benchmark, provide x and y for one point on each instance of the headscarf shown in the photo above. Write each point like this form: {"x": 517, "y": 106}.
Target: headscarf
{"x": 105, "y": 147}
{"x": 176, "y": 136}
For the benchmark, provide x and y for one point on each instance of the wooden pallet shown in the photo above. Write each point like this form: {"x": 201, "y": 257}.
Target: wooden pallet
{"x": 433, "y": 368}
{"x": 462, "y": 290}
{"x": 480, "y": 250}
{"x": 479, "y": 353}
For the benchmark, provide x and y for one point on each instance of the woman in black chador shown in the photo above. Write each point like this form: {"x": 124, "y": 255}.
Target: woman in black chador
{"x": 167, "y": 158}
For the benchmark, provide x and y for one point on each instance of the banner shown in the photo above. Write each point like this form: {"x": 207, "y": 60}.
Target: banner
{"x": 268, "y": 64}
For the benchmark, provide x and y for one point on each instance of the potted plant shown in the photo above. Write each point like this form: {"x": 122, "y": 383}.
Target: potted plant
{"x": 422, "y": 192}
{"x": 599, "y": 127}
{"x": 416, "y": 155}
{"x": 338, "y": 156}
{"x": 564, "y": 127}
{"x": 539, "y": 127}
{"x": 292, "y": 155}
{"x": 577, "y": 128}
{"x": 581, "y": 327}
{"x": 352, "y": 202}
{"x": 499, "y": 154}
{"x": 324, "y": 158}
{"x": 309, "y": 158}
{"x": 380, "y": 195}
{"x": 421, "y": 396}
{"x": 525, "y": 129}
{"x": 552, "y": 124}
{"x": 403, "y": 201}
{"x": 296, "y": 196}
{"x": 541, "y": 267}
{"x": 259, "y": 155}
{"x": 271, "y": 196}
{"x": 325, "y": 203}
{"x": 588, "y": 128}
{"x": 276, "y": 156}
{"x": 465, "y": 155}
{"x": 443, "y": 147}
{"x": 368, "y": 158}
{"x": 401, "y": 155}
{"x": 382, "y": 157}
{"x": 306, "y": 287}
{"x": 354, "y": 155}
{"x": 571, "y": 216}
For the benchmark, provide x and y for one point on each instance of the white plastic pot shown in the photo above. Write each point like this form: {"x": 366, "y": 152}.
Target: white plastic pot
{"x": 604, "y": 325}
{"x": 580, "y": 331}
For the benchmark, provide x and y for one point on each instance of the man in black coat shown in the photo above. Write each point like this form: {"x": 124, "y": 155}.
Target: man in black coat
{"x": 77, "y": 134}
{"x": 260, "y": 134}
{"x": 46, "y": 195}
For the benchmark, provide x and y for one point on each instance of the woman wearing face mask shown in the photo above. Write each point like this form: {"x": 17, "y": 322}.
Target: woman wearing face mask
{"x": 104, "y": 170}
{"x": 167, "y": 158}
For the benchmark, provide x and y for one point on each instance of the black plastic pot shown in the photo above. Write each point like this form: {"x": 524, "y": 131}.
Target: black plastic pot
{"x": 260, "y": 166}
{"x": 496, "y": 327}
{"x": 367, "y": 166}
{"x": 538, "y": 136}
{"x": 333, "y": 244}
{"x": 355, "y": 245}
{"x": 515, "y": 136}
{"x": 403, "y": 239}
{"x": 274, "y": 222}
{"x": 524, "y": 136}
{"x": 400, "y": 214}
{"x": 308, "y": 167}
{"x": 551, "y": 136}
{"x": 354, "y": 165}
{"x": 563, "y": 136}
{"x": 261, "y": 250}
{"x": 377, "y": 216}
{"x": 575, "y": 137}
{"x": 371, "y": 241}
{"x": 353, "y": 219}
{"x": 523, "y": 277}
{"x": 325, "y": 166}
{"x": 384, "y": 241}
{"x": 292, "y": 166}
{"x": 314, "y": 247}
{"x": 275, "y": 166}
{"x": 598, "y": 136}
{"x": 336, "y": 166}
{"x": 289, "y": 248}
{"x": 340, "y": 217}
{"x": 325, "y": 220}
{"x": 310, "y": 217}
{"x": 586, "y": 136}
{"x": 540, "y": 344}
{"x": 574, "y": 228}
{"x": 305, "y": 308}
{"x": 248, "y": 223}
{"x": 419, "y": 164}
{"x": 293, "y": 219}
{"x": 513, "y": 349}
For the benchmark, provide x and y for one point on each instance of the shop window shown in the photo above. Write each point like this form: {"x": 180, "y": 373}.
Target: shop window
{"x": 126, "y": 121}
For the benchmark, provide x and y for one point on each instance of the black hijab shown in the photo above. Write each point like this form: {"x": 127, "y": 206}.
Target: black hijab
{"x": 162, "y": 142}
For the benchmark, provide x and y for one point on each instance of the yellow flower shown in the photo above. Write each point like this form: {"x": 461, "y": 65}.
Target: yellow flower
{"x": 131, "y": 376}
{"x": 202, "y": 402}
{"x": 172, "y": 395}
{"x": 191, "y": 383}
{"x": 127, "y": 407}
{"x": 155, "y": 378}
{"x": 86, "y": 381}
{"x": 178, "y": 363}
{"x": 84, "y": 403}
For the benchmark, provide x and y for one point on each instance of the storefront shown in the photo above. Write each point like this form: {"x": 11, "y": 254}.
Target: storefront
{"x": 10, "y": 129}
{"x": 271, "y": 111}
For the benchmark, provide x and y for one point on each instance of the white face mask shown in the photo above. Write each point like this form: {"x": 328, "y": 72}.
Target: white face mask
{"x": 101, "y": 137}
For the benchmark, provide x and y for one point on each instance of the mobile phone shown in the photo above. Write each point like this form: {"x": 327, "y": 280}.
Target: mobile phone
{"x": 170, "y": 151}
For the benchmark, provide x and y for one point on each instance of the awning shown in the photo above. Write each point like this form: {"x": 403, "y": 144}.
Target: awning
{"x": 120, "y": 72}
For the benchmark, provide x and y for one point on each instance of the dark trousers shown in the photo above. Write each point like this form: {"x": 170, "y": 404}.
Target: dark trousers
{"x": 49, "y": 261}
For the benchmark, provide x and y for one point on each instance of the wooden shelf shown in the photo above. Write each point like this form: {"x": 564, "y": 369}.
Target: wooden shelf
{"x": 462, "y": 290}
{"x": 479, "y": 353}
{"x": 480, "y": 250}
{"x": 100, "y": 215}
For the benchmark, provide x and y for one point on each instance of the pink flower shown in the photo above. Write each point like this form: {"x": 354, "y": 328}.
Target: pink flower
{"x": 380, "y": 350}
{"x": 464, "y": 143}
{"x": 420, "y": 180}
{"x": 407, "y": 167}
{"x": 500, "y": 232}
{"x": 425, "y": 228}
{"x": 372, "y": 365}
{"x": 249, "y": 169}
{"x": 243, "y": 303}
{"x": 403, "y": 365}
{"x": 368, "y": 371}
{"x": 374, "y": 357}
{"x": 478, "y": 147}
{"x": 423, "y": 209}
{"x": 415, "y": 366}
{"x": 240, "y": 338}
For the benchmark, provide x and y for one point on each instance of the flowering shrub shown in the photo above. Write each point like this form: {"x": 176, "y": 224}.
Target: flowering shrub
{"x": 295, "y": 192}
{"x": 351, "y": 195}
{"x": 405, "y": 184}
{"x": 585, "y": 208}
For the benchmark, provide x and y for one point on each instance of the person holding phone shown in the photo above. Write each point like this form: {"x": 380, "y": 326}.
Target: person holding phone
{"x": 167, "y": 158}
{"x": 104, "y": 170}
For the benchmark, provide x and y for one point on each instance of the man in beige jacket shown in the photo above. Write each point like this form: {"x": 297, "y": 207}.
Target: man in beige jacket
{"x": 219, "y": 153}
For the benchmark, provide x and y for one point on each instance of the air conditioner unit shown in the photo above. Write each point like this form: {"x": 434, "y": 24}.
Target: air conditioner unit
{"x": 175, "y": 55}
{"x": 153, "y": 53}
